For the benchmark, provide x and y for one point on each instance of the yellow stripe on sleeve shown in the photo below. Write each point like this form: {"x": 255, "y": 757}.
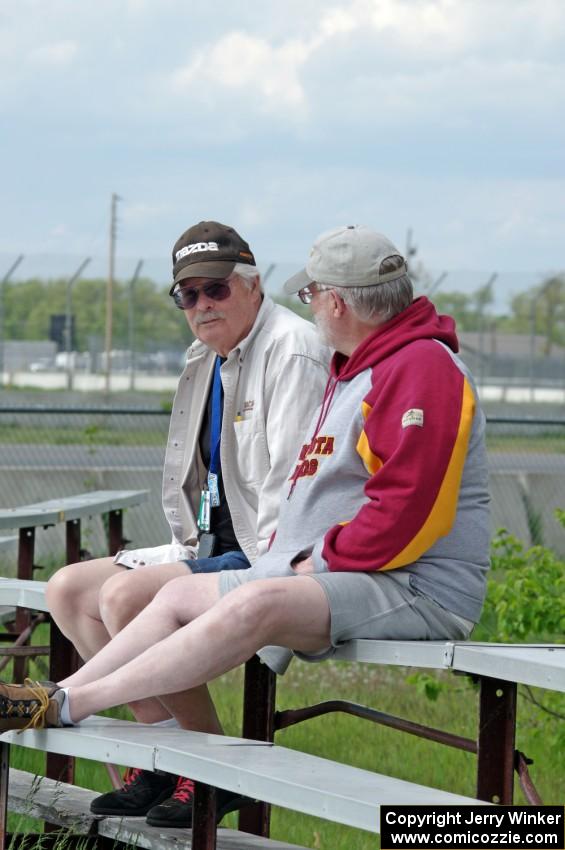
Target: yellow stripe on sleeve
{"x": 442, "y": 515}
{"x": 371, "y": 461}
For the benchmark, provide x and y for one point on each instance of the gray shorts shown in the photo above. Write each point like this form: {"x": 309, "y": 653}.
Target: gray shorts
{"x": 375, "y": 606}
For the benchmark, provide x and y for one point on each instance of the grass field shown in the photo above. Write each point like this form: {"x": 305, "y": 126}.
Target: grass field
{"x": 366, "y": 745}
{"x": 132, "y": 430}
{"x": 92, "y": 435}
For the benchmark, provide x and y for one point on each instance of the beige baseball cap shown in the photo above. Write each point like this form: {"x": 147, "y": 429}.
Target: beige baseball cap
{"x": 348, "y": 256}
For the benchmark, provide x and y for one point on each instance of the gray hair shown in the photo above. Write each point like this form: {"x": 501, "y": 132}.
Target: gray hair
{"x": 248, "y": 274}
{"x": 377, "y": 304}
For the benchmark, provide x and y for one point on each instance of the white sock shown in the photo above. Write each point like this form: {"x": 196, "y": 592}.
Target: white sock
{"x": 167, "y": 724}
{"x": 66, "y": 718}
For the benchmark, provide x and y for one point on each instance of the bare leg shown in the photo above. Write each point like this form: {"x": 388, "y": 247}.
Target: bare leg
{"x": 103, "y": 597}
{"x": 191, "y": 594}
{"x": 72, "y": 595}
{"x": 121, "y": 599}
{"x": 179, "y": 654}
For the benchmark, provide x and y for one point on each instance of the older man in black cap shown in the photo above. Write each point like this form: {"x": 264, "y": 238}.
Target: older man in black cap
{"x": 252, "y": 379}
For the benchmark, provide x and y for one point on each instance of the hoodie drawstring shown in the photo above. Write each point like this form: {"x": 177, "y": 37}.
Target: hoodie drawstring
{"x": 329, "y": 392}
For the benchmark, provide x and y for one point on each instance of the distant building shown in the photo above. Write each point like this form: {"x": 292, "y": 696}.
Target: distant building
{"x": 23, "y": 355}
{"x": 507, "y": 345}
{"x": 512, "y": 357}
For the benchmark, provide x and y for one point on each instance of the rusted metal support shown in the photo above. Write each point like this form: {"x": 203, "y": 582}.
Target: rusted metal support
{"x": 26, "y": 548}
{"x": 19, "y": 648}
{"x": 530, "y": 791}
{"x": 258, "y": 724}
{"x": 72, "y": 533}
{"x": 283, "y": 719}
{"x": 24, "y": 651}
{"x": 115, "y": 531}
{"x": 62, "y": 662}
{"x": 204, "y": 817}
{"x": 497, "y": 732}
{"x": 4, "y": 779}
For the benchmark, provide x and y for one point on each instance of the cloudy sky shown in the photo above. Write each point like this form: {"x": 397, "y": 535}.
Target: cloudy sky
{"x": 285, "y": 119}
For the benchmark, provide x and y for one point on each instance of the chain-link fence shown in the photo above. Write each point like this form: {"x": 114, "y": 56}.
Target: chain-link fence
{"x": 50, "y": 452}
{"x": 527, "y": 471}
{"x": 57, "y": 333}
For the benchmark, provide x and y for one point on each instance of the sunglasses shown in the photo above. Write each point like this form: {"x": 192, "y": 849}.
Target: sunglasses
{"x": 186, "y": 297}
{"x": 308, "y": 292}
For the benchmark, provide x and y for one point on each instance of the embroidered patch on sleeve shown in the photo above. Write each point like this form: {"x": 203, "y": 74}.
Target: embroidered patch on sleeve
{"x": 414, "y": 416}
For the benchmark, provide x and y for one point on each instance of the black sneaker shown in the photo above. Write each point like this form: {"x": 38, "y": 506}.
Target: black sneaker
{"x": 142, "y": 790}
{"x": 177, "y": 810}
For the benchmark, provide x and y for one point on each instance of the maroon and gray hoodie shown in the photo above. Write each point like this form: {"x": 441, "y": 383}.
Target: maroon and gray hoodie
{"x": 393, "y": 474}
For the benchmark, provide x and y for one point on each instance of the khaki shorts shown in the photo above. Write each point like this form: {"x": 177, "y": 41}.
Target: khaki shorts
{"x": 375, "y": 606}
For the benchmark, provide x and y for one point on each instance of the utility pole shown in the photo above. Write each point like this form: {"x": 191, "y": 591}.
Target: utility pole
{"x": 268, "y": 273}
{"x": 3, "y": 283}
{"x": 436, "y": 284}
{"x": 69, "y": 322}
{"x": 411, "y": 249}
{"x": 110, "y": 290}
{"x": 131, "y": 324}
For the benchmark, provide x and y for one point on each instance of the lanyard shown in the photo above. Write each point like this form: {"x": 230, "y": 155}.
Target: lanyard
{"x": 210, "y": 496}
{"x": 216, "y": 424}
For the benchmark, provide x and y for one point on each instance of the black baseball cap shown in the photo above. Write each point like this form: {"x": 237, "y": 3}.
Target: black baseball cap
{"x": 209, "y": 249}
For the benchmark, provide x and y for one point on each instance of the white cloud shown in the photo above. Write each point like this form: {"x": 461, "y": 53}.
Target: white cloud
{"x": 415, "y": 21}
{"x": 254, "y": 214}
{"x": 414, "y": 50}
{"x": 142, "y": 211}
{"x": 59, "y": 231}
{"x": 248, "y": 63}
{"x": 56, "y": 54}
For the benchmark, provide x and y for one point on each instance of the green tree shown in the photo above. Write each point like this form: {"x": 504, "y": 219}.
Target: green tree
{"x": 29, "y": 305}
{"x": 541, "y": 310}
{"x": 460, "y": 306}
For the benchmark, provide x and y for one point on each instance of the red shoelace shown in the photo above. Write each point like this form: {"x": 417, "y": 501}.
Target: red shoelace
{"x": 184, "y": 792}
{"x": 130, "y": 776}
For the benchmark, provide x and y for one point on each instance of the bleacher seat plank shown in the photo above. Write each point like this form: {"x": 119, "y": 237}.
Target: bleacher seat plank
{"x": 401, "y": 653}
{"x": 20, "y": 593}
{"x": 537, "y": 665}
{"x": 7, "y": 543}
{"x": 59, "y": 803}
{"x": 16, "y": 593}
{"x": 68, "y": 806}
{"x": 53, "y": 511}
{"x": 269, "y": 772}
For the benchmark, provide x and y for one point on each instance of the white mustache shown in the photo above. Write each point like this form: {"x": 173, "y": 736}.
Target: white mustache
{"x": 203, "y": 316}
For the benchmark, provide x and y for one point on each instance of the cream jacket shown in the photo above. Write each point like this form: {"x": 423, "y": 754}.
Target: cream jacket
{"x": 273, "y": 382}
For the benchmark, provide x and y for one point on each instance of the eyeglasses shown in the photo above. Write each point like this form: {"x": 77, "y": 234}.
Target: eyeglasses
{"x": 307, "y": 293}
{"x": 186, "y": 297}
